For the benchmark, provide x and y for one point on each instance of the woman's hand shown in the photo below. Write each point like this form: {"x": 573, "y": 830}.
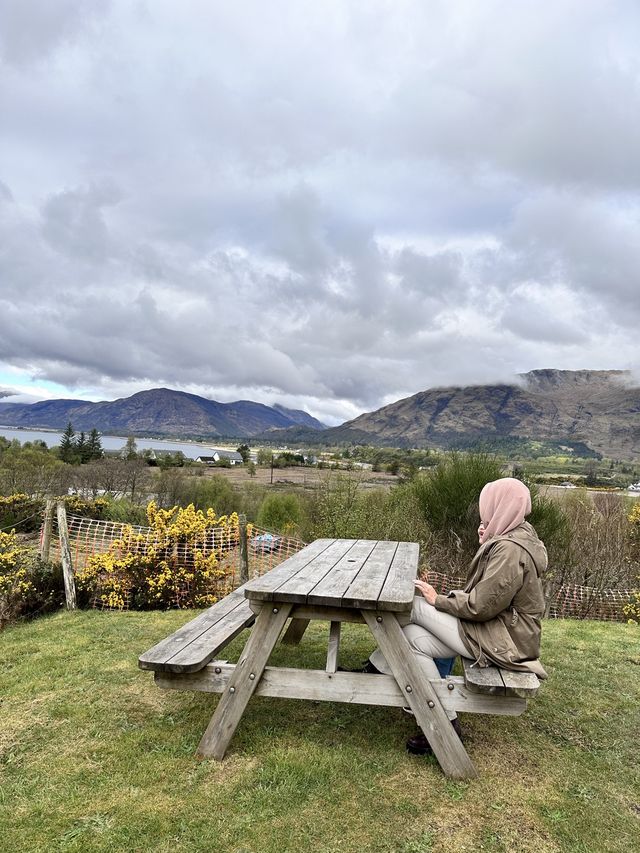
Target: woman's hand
{"x": 427, "y": 591}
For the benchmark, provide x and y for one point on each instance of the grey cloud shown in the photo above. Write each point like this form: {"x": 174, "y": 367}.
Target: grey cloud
{"x": 73, "y": 221}
{"x": 358, "y": 203}
{"x": 535, "y": 322}
{"x": 6, "y": 197}
{"x": 32, "y": 29}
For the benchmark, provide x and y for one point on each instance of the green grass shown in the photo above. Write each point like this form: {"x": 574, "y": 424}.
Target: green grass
{"x": 93, "y": 757}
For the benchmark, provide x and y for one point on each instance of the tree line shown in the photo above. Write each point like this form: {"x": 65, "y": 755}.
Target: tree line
{"x": 80, "y": 448}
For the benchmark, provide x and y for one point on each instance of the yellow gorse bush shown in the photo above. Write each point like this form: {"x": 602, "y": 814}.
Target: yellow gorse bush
{"x": 632, "y": 610}
{"x": 175, "y": 564}
{"x": 15, "y": 581}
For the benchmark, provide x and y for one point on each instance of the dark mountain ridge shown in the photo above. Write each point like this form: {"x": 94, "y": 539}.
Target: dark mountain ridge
{"x": 160, "y": 411}
{"x": 599, "y": 409}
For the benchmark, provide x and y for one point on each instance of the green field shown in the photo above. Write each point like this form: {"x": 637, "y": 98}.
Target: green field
{"x": 93, "y": 757}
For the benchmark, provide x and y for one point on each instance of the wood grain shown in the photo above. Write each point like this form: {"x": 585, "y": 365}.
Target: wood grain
{"x": 350, "y": 687}
{"x": 420, "y": 695}
{"x": 264, "y": 587}
{"x": 243, "y": 682}
{"x": 159, "y": 657}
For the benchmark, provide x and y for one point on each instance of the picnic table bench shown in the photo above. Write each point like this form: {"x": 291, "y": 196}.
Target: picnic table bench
{"x": 335, "y": 580}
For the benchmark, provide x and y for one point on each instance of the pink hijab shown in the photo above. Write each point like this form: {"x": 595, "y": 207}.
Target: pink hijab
{"x": 503, "y": 506}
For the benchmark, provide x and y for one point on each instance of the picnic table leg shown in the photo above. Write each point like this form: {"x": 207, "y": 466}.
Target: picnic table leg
{"x": 420, "y": 695}
{"x": 334, "y": 647}
{"x": 243, "y": 682}
{"x": 295, "y": 631}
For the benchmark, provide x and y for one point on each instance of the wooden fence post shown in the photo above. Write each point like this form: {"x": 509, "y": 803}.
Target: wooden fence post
{"x": 45, "y": 546}
{"x": 65, "y": 555}
{"x": 244, "y": 550}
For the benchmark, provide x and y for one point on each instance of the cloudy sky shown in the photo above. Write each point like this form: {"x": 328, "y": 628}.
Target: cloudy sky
{"x": 330, "y": 205}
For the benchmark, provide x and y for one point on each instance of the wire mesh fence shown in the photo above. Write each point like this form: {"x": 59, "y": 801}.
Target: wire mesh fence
{"x": 264, "y": 550}
{"x": 585, "y": 602}
{"x": 261, "y": 551}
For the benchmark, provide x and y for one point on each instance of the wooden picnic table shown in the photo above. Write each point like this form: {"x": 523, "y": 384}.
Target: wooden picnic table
{"x": 334, "y": 580}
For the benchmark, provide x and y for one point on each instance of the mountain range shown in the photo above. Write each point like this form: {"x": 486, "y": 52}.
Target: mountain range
{"x": 589, "y": 411}
{"x": 158, "y": 412}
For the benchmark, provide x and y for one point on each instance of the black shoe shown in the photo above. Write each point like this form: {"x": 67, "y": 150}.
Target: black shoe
{"x": 367, "y": 667}
{"x": 419, "y": 745}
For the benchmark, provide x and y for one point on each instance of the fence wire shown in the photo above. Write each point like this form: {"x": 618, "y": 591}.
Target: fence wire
{"x": 90, "y": 537}
{"x": 265, "y": 550}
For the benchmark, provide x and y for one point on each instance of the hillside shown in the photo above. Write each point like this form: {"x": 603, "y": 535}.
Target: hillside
{"x": 160, "y": 411}
{"x": 596, "y": 408}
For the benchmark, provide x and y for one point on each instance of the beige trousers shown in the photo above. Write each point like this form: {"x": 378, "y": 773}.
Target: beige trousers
{"x": 431, "y": 634}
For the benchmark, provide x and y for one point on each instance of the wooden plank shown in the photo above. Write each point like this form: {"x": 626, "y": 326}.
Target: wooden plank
{"x": 297, "y": 588}
{"x": 486, "y": 679}
{"x": 365, "y": 589}
{"x": 263, "y": 588}
{"x": 524, "y": 684}
{"x": 163, "y": 651}
{"x": 398, "y": 590}
{"x": 244, "y": 548}
{"x": 333, "y": 648}
{"x": 295, "y": 631}
{"x": 420, "y": 695}
{"x": 349, "y": 687}
{"x": 326, "y": 614}
{"x": 45, "y": 547}
{"x": 330, "y": 589}
{"x": 65, "y": 557}
{"x": 204, "y": 648}
{"x": 244, "y": 680}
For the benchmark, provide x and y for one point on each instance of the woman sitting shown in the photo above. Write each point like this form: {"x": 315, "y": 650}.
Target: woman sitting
{"x": 495, "y": 619}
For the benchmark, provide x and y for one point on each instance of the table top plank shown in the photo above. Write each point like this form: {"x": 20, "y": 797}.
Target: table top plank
{"x": 262, "y": 588}
{"x": 332, "y": 587}
{"x": 365, "y": 589}
{"x": 398, "y": 590}
{"x": 298, "y": 587}
{"x": 344, "y": 573}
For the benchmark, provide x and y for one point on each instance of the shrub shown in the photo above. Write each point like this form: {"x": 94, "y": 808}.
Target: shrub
{"x": 21, "y": 511}
{"x": 552, "y": 526}
{"x": 447, "y": 496}
{"x": 15, "y": 583}
{"x": 173, "y": 487}
{"x": 632, "y": 610}
{"x": 175, "y": 565}
{"x": 333, "y": 510}
{"x": 86, "y": 507}
{"x": 280, "y": 512}
{"x": 123, "y": 510}
{"x": 27, "y": 585}
{"x": 338, "y": 509}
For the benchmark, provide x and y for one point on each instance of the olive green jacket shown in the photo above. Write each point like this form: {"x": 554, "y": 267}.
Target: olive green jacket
{"x": 502, "y": 603}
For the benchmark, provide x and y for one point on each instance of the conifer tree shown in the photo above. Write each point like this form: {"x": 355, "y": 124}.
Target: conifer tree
{"x": 95, "y": 445}
{"x": 68, "y": 445}
{"x": 82, "y": 448}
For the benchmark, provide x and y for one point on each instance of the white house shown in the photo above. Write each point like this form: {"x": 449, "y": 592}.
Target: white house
{"x": 233, "y": 457}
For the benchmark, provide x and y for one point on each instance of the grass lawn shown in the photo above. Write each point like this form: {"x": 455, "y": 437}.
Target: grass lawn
{"x": 94, "y": 757}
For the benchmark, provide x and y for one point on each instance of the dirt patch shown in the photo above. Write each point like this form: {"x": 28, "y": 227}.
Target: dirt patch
{"x": 300, "y": 478}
